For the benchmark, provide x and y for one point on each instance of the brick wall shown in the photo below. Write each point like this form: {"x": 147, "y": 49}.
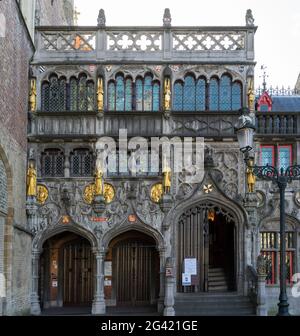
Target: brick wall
{"x": 15, "y": 53}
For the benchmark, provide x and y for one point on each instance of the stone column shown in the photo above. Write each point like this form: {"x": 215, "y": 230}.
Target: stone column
{"x": 99, "y": 307}
{"x": 169, "y": 289}
{"x": 35, "y": 308}
{"x": 160, "y": 303}
{"x": 261, "y": 308}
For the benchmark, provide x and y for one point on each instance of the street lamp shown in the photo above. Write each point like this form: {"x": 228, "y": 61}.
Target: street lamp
{"x": 245, "y": 131}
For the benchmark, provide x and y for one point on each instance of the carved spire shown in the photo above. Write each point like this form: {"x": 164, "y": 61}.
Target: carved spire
{"x": 167, "y": 18}
{"x": 101, "y": 18}
{"x": 249, "y": 18}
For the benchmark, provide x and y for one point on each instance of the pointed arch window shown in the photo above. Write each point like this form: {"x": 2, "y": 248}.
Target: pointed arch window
{"x": 225, "y": 93}
{"x": 120, "y": 93}
{"x": 82, "y": 93}
{"x": 189, "y": 94}
{"x": 148, "y": 93}
{"x": 236, "y": 96}
{"x": 128, "y": 94}
{"x": 214, "y": 94}
{"x": 201, "y": 94}
{"x": 178, "y": 96}
{"x": 139, "y": 94}
{"x": 155, "y": 98}
{"x": 111, "y": 96}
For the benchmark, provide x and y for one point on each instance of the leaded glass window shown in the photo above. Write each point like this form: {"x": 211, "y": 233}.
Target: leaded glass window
{"x": 225, "y": 93}
{"x": 90, "y": 96}
{"x": 178, "y": 97}
{"x": 200, "y": 94}
{"x": 128, "y": 94}
{"x": 284, "y": 156}
{"x": 236, "y": 96}
{"x": 148, "y": 93}
{"x": 111, "y": 96}
{"x": 189, "y": 99}
{"x": 82, "y": 162}
{"x": 120, "y": 93}
{"x": 155, "y": 99}
{"x": 54, "y": 99}
{"x": 267, "y": 155}
{"x": 52, "y": 162}
{"x": 45, "y": 96}
{"x": 73, "y": 94}
{"x": 82, "y": 94}
{"x": 139, "y": 94}
{"x": 214, "y": 95}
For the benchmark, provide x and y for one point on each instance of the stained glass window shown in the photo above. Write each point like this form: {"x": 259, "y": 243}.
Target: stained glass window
{"x": 90, "y": 96}
{"x": 111, "y": 96}
{"x": 284, "y": 156}
{"x": 128, "y": 94}
{"x": 225, "y": 93}
{"x": 139, "y": 95}
{"x": 214, "y": 95}
{"x": 148, "y": 93}
{"x": 120, "y": 93}
{"x": 200, "y": 94}
{"x": 189, "y": 99}
{"x": 73, "y": 94}
{"x": 267, "y": 155}
{"x": 155, "y": 99}
{"x": 236, "y": 96}
{"x": 82, "y": 94}
{"x": 178, "y": 97}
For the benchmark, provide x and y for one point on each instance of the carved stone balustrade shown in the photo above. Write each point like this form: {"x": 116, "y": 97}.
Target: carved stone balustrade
{"x": 146, "y": 43}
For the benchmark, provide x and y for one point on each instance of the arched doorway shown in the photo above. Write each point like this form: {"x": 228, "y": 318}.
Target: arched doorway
{"x": 66, "y": 271}
{"x": 206, "y": 250}
{"x": 134, "y": 276}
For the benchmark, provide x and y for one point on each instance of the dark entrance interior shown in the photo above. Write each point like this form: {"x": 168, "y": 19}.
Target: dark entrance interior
{"x": 135, "y": 270}
{"x": 221, "y": 253}
{"x": 206, "y": 233}
{"x": 66, "y": 272}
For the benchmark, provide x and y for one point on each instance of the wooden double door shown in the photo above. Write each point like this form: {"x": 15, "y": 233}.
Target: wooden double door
{"x": 135, "y": 272}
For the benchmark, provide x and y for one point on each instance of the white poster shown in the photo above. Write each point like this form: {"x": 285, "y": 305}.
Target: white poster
{"x": 190, "y": 266}
{"x": 186, "y": 279}
{"x": 108, "y": 268}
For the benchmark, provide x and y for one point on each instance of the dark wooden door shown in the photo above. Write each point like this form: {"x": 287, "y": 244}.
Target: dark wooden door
{"x": 78, "y": 273}
{"x": 135, "y": 273}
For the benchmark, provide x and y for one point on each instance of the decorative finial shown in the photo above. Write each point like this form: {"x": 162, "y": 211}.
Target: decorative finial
{"x": 101, "y": 18}
{"x": 167, "y": 18}
{"x": 76, "y": 16}
{"x": 264, "y": 76}
{"x": 249, "y": 18}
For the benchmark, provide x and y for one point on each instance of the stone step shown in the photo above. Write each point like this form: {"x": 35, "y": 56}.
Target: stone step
{"x": 217, "y": 283}
{"x": 217, "y": 278}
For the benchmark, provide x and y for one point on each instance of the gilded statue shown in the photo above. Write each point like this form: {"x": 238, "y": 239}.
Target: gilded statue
{"x": 156, "y": 192}
{"x": 99, "y": 182}
{"x": 251, "y": 179}
{"x": 167, "y": 95}
{"x": 32, "y": 95}
{"x": 251, "y": 95}
{"x": 31, "y": 181}
{"x": 100, "y": 95}
{"x": 167, "y": 177}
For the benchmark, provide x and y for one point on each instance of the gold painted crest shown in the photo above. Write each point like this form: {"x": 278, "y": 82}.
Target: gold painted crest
{"x": 42, "y": 194}
{"x": 89, "y": 193}
{"x": 156, "y": 192}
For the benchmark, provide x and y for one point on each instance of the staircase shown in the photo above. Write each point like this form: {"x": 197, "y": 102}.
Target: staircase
{"x": 217, "y": 280}
{"x": 213, "y": 304}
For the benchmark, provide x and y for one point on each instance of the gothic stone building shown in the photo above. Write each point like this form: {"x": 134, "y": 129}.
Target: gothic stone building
{"x": 182, "y": 247}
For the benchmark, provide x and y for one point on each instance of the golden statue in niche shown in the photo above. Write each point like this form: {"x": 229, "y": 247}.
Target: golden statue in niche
{"x": 100, "y": 94}
{"x": 89, "y": 193}
{"x": 167, "y": 94}
{"x": 99, "y": 182}
{"x": 251, "y": 179}
{"x": 32, "y": 95}
{"x": 251, "y": 95}
{"x": 31, "y": 189}
{"x": 167, "y": 177}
